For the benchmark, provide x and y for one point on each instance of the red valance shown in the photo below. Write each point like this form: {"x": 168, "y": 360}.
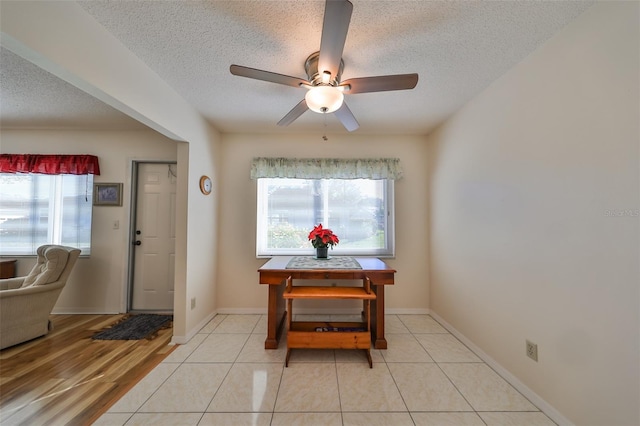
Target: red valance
{"x": 50, "y": 164}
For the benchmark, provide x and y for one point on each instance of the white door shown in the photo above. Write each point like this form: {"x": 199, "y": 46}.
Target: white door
{"x": 154, "y": 237}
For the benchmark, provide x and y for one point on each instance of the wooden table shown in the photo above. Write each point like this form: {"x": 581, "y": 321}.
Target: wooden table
{"x": 275, "y": 274}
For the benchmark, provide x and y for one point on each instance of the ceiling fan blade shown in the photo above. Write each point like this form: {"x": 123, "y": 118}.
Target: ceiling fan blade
{"x": 337, "y": 15}
{"x": 346, "y": 117}
{"x": 266, "y": 76}
{"x": 381, "y": 83}
{"x": 296, "y": 112}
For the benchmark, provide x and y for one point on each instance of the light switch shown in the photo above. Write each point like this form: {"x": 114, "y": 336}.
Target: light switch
{"x": 116, "y": 224}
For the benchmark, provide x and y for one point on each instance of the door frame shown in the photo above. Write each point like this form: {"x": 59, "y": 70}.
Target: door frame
{"x": 131, "y": 257}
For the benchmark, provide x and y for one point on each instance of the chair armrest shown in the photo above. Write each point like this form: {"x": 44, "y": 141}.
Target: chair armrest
{"x": 11, "y": 283}
{"x": 34, "y": 289}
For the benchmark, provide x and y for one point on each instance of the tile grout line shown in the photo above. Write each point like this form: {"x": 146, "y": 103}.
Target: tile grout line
{"x": 335, "y": 362}
{"x": 445, "y": 374}
{"x": 482, "y": 362}
{"x": 181, "y": 363}
{"x": 394, "y": 379}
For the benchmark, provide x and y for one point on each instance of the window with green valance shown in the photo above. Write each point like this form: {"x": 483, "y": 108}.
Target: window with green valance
{"x": 353, "y": 197}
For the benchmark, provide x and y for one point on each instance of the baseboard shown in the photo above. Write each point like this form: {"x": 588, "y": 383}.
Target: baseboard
{"x": 181, "y": 340}
{"x": 242, "y": 311}
{"x": 82, "y": 311}
{"x": 257, "y": 311}
{"x": 321, "y": 311}
{"x": 543, "y": 405}
{"x": 407, "y": 311}
{"x": 304, "y": 311}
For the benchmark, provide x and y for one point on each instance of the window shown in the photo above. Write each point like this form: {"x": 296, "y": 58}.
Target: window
{"x": 359, "y": 211}
{"x": 38, "y": 209}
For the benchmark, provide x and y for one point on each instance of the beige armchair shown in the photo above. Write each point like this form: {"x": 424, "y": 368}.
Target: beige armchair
{"x": 26, "y": 302}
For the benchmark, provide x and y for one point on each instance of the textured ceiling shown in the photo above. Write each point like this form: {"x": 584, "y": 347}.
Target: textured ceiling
{"x": 458, "y": 49}
{"x": 34, "y": 99}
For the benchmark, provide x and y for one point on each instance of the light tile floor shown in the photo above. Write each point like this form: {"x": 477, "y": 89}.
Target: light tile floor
{"x": 224, "y": 376}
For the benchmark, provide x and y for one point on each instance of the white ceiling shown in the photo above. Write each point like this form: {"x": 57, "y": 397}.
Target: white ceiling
{"x": 33, "y": 98}
{"x": 458, "y": 49}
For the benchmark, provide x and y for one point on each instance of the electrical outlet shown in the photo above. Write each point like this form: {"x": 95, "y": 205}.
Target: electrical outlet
{"x": 532, "y": 351}
{"x": 193, "y": 303}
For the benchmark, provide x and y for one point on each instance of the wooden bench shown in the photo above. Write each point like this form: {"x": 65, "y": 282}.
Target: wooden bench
{"x": 329, "y": 335}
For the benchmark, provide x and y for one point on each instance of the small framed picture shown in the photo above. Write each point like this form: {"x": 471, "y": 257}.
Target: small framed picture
{"x": 107, "y": 194}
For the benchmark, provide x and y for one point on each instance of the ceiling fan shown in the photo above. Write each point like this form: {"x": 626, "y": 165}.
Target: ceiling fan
{"x": 324, "y": 71}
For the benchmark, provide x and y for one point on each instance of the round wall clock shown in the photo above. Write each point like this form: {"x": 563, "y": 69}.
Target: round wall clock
{"x": 205, "y": 185}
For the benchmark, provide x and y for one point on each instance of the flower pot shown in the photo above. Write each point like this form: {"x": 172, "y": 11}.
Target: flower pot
{"x": 322, "y": 252}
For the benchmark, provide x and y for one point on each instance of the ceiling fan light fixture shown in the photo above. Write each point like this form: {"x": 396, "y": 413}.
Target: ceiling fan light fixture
{"x": 324, "y": 99}
{"x": 324, "y": 73}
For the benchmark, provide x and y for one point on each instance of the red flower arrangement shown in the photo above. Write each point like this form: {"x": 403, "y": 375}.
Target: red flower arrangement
{"x": 322, "y": 237}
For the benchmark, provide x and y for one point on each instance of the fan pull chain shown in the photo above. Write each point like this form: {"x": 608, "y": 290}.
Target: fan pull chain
{"x": 324, "y": 136}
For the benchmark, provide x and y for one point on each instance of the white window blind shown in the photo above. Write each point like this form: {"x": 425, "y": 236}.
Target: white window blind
{"x": 38, "y": 209}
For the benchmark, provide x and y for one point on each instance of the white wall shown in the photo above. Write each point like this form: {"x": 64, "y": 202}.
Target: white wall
{"x": 98, "y": 283}
{"x": 201, "y": 252}
{"x": 534, "y": 218}
{"x": 238, "y": 288}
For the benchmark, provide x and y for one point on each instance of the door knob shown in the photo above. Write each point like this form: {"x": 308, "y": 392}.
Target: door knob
{"x": 137, "y": 243}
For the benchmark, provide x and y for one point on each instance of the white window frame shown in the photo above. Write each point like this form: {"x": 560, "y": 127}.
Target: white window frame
{"x": 55, "y": 216}
{"x": 262, "y": 228}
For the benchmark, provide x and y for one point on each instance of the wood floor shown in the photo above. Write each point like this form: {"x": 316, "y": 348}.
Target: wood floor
{"x": 66, "y": 378}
